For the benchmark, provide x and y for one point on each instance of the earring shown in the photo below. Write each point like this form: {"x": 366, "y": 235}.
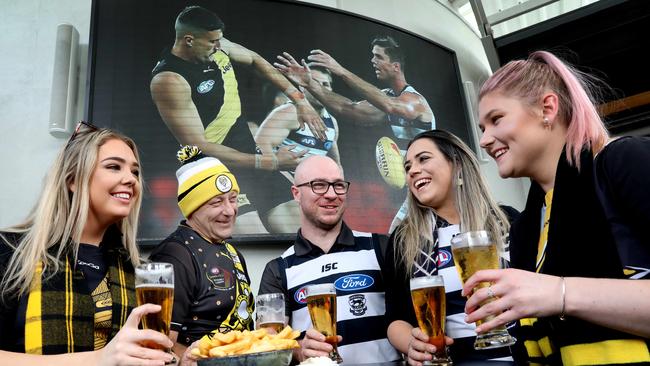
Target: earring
{"x": 546, "y": 122}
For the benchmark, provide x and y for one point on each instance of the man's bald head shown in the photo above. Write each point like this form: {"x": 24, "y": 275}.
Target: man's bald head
{"x": 309, "y": 168}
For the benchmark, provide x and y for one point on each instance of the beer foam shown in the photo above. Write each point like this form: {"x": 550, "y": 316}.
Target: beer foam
{"x": 426, "y": 281}
{"x": 321, "y": 289}
{"x": 156, "y": 285}
{"x": 319, "y": 361}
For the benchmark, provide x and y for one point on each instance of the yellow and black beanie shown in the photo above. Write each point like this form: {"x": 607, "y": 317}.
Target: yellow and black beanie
{"x": 200, "y": 179}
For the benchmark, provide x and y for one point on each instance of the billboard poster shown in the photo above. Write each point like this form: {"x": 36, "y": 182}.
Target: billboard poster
{"x": 364, "y": 89}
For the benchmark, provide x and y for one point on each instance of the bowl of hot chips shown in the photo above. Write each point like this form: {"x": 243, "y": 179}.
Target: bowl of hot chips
{"x": 256, "y": 347}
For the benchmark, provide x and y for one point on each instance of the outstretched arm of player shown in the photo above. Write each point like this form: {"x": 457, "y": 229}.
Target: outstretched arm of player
{"x": 407, "y": 105}
{"x": 172, "y": 95}
{"x": 362, "y": 113}
{"x": 306, "y": 113}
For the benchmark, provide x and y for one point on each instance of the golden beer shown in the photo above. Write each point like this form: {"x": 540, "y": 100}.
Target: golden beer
{"x": 321, "y": 303}
{"x": 429, "y": 303}
{"x": 154, "y": 284}
{"x": 162, "y": 295}
{"x": 474, "y": 251}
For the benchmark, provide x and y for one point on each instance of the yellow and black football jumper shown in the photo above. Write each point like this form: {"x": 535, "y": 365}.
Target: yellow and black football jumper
{"x": 211, "y": 285}
{"x": 216, "y": 97}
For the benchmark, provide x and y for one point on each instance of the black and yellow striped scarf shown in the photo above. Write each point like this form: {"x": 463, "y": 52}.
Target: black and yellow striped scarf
{"x": 60, "y": 311}
{"x": 579, "y": 244}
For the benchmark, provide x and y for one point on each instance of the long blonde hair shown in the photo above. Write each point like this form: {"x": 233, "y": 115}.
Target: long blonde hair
{"x": 59, "y": 216}
{"x": 476, "y": 207}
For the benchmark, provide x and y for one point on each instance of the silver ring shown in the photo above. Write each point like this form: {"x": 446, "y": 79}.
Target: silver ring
{"x": 490, "y": 293}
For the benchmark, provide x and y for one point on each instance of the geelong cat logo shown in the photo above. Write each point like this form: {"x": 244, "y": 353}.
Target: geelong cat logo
{"x": 354, "y": 282}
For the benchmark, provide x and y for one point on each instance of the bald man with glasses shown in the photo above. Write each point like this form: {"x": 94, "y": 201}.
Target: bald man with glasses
{"x": 326, "y": 250}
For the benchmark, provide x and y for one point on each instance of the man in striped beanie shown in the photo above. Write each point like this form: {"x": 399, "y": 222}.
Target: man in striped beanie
{"x": 212, "y": 286}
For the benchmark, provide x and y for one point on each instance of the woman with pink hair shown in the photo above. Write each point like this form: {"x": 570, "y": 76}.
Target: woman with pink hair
{"x": 580, "y": 250}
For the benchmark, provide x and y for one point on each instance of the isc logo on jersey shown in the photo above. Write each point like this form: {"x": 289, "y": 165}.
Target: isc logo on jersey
{"x": 353, "y": 282}
{"x": 390, "y": 162}
{"x": 444, "y": 257}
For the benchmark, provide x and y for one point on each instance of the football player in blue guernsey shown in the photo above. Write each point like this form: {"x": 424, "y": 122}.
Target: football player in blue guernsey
{"x": 281, "y": 128}
{"x": 326, "y": 250}
{"x": 195, "y": 89}
{"x": 405, "y": 110}
{"x": 400, "y": 105}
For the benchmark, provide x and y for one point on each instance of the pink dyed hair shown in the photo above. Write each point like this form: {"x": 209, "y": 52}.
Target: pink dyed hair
{"x": 542, "y": 71}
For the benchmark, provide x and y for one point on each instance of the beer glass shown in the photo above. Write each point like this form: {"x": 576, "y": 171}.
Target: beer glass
{"x": 321, "y": 303}
{"x": 474, "y": 251}
{"x": 154, "y": 284}
{"x": 429, "y": 303}
{"x": 269, "y": 309}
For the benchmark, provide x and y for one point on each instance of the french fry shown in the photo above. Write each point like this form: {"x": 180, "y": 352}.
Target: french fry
{"x": 237, "y": 342}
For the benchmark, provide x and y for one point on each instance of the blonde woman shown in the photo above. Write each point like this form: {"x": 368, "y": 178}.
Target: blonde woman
{"x": 447, "y": 195}
{"x": 66, "y": 272}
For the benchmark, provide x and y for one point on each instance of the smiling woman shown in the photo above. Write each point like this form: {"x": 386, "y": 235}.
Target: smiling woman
{"x": 67, "y": 270}
{"x": 447, "y": 195}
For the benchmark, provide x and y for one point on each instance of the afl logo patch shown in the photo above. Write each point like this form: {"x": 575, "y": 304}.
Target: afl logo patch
{"x": 353, "y": 282}
{"x": 444, "y": 257}
{"x": 308, "y": 141}
{"x": 301, "y": 295}
{"x": 223, "y": 183}
{"x": 205, "y": 86}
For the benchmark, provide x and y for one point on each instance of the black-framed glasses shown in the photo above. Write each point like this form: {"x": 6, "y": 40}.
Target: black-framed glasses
{"x": 82, "y": 126}
{"x": 321, "y": 186}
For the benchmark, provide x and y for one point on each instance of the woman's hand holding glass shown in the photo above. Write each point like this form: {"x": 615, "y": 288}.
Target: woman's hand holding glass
{"x": 420, "y": 349}
{"x": 516, "y": 294}
{"x": 126, "y": 348}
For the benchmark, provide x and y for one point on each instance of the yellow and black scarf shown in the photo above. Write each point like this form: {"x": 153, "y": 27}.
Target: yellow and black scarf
{"x": 60, "y": 311}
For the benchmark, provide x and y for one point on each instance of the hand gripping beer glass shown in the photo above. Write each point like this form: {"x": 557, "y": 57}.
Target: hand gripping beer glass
{"x": 269, "y": 309}
{"x": 429, "y": 303}
{"x": 154, "y": 284}
{"x": 474, "y": 251}
{"x": 321, "y": 303}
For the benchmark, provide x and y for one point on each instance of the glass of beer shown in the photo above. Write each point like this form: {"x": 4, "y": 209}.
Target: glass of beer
{"x": 474, "y": 251}
{"x": 269, "y": 309}
{"x": 429, "y": 303}
{"x": 154, "y": 284}
{"x": 321, "y": 303}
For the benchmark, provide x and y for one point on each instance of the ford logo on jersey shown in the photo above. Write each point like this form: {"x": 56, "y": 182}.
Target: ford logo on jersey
{"x": 353, "y": 282}
{"x": 301, "y": 295}
{"x": 443, "y": 257}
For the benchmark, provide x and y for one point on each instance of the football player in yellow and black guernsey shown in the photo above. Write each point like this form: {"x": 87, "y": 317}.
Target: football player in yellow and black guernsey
{"x": 195, "y": 90}
{"x": 212, "y": 286}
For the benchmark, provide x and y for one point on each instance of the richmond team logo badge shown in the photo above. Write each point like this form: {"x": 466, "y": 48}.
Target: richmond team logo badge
{"x": 205, "y": 86}
{"x": 223, "y": 183}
